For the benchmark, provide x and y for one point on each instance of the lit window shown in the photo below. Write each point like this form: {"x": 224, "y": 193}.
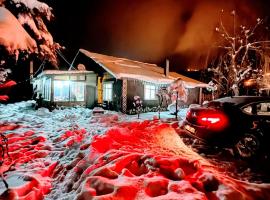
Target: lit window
{"x": 68, "y": 91}
{"x": 60, "y": 77}
{"x": 150, "y": 92}
{"x": 61, "y": 90}
{"x": 73, "y": 78}
{"x": 107, "y": 91}
{"x": 81, "y": 78}
{"x": 46, "y": 89}
{"x": 76, "y": 91}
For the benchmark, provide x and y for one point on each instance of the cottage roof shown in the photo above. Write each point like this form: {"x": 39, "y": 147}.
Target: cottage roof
{"x": 124, "y": 68}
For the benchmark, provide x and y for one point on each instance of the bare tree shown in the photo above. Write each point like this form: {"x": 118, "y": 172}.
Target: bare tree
{"x": 242, "y": 49}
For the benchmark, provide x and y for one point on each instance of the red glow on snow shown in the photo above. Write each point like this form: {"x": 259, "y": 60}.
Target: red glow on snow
{"x": 131, "y": 160}
{"x": 5, "y": 86}
{"x": 23, "y": 148}
{"x": 4, "y": 98}
{"x": 72, "y": 137}
{"x": 143, "y": 160}
{"x": 8, "y": 84}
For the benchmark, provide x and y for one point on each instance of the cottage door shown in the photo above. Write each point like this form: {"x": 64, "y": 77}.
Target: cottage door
{"x": 90, "y": 96}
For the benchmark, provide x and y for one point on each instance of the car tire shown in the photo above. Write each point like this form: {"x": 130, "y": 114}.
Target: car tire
{"x": 247, "y": 146}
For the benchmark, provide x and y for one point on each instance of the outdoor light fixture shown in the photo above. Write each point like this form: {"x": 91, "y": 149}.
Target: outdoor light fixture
{"x": 249, "y": 82}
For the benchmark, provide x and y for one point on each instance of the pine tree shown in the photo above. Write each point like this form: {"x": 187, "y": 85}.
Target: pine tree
{"x": 33, "y": 16}
{"x": 27, "y": 20}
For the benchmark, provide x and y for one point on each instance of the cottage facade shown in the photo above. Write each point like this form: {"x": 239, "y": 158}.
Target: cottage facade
{"x": 120, "y": 79}
{"x": 112, "y": 82}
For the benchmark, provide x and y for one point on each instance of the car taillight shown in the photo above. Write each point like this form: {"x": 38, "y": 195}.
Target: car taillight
{"x": 212, "y": 120}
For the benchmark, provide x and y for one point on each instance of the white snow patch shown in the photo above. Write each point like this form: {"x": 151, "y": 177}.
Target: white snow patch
{"x": 34, "y": 4}
{"x": 144, "y": 159}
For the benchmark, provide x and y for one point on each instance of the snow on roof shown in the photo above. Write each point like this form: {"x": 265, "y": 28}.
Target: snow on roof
{"x": 12, "y": 35}
{"x": 63, "y": 72}
{"x": 124, "y": 68}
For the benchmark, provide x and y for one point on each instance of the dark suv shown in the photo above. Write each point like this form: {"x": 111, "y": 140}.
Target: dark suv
{"x": 241, "y": 122}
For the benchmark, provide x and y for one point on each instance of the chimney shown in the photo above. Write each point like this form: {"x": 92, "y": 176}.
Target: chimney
{"x": 167, "y": 68}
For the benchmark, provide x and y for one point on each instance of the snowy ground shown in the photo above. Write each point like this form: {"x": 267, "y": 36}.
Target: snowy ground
{"x": 73, "y": 154}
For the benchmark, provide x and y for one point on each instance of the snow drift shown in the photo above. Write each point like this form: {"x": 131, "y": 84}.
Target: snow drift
{"x": 72, "y": 154}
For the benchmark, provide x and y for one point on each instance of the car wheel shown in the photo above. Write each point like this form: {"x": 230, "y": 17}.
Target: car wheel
{"x": 247, "y": 146}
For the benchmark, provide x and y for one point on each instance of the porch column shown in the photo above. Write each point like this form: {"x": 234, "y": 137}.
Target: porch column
{"x": 200, "y": 96}
{"x": 124, "y": 96}
{"x": 99, "y": 90}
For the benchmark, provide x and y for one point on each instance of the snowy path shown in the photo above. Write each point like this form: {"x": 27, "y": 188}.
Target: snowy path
{"x": 70, "y": 154}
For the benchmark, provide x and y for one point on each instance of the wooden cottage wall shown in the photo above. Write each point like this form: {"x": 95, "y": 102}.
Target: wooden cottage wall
{"x": 136, "y": 88}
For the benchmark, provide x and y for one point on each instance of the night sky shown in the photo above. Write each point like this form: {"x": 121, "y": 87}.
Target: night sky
{"x": 149, "y": 30}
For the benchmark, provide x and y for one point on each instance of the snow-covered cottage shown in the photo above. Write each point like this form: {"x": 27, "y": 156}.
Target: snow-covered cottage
{"x": 120, "y": 79}
{"x": 111, "y": 82}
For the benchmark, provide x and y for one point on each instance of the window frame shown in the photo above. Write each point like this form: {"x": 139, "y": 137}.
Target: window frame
{"x": 70, "y": 81}
{"x": 152, "y": 92}
{"x": 46, "y": 89}
{"x": 104, "y": 89}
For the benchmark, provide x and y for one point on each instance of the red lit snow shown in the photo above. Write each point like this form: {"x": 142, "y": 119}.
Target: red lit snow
{"x": 4, "y": 87}
{"x": 71, "y": 154}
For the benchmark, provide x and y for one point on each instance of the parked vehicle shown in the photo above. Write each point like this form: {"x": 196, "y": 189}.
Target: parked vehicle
{"x": 241, "y": 122}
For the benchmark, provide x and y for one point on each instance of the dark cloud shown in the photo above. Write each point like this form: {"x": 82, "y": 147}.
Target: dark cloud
{"x": 150, "y": 30}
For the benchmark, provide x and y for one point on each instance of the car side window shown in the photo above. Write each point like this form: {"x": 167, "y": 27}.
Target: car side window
{"x": 263, "y": 108}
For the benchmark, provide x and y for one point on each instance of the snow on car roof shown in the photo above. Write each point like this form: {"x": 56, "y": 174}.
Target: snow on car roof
{"x": 240, "y": 100}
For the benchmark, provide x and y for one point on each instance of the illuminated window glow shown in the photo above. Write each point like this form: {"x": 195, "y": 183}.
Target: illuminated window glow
{"x": 61, "y": 90}
{"x": 107, "y": 91}
{"x": 47, "y": 89}
{"x": 150, "y": 92}
{"x": 68, "y": 91}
